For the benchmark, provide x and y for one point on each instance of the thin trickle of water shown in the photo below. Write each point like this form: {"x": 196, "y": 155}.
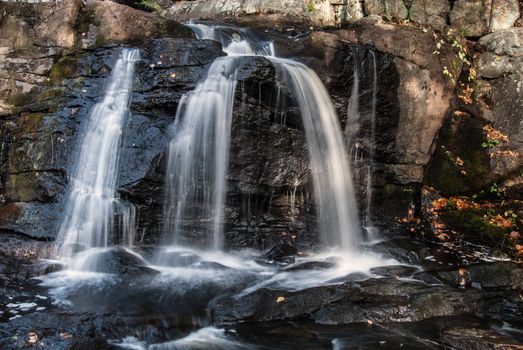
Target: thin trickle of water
{"x": 353, "y": 110}
{"x": 366, "y": 152}
{"x": 89, "y": 215}
{"x": 372, "y": 144}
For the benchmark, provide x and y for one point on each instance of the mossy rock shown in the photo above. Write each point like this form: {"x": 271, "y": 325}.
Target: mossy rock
{"x": 50, "y": 94}
{"x": 460, "y": 164}
{"x": 66, "y": 67}
{"x": 474, "y": 225}
{"x": 29, "y": 123}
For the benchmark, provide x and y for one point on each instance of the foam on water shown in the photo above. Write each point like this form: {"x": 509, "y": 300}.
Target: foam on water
{"x": 209, "y": 338}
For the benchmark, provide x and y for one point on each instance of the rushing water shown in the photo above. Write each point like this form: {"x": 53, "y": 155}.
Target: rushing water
{"x": 89, "y": 215}
{"x": 199, "y": 150}
{"x": 200, "y": 138}
{"x": 331, "y": 173}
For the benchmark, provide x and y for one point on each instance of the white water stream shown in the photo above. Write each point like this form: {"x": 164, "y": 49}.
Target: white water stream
{"x": 89, "y": 215}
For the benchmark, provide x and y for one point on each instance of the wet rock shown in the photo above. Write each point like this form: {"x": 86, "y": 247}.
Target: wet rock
{"x": 485, "y": 275}
{"x": 178, "y": 258}
{"x": 211, "y": 265}
{"x": 311, "y": 265}
{"x": 118, "y": 261}
{"x": 86, "y": 344}
{"x": 406, "y": 250}
{"x": 481, "y": 339}
{"x": 379, "y": 300}
{"x": 282, "y": 252}
{"x": 395, "y": 270}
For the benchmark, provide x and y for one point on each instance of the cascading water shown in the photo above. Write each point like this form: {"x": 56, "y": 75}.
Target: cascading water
{"x": 331, "y": 173}
{"x": 92, "y": 204}
{"x": 200, "y": 137}
{"x": 198, "y": 152}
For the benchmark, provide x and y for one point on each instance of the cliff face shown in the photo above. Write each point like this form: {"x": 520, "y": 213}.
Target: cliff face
{"x": 437, "y": 101}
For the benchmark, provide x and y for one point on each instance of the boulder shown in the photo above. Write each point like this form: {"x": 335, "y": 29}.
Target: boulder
{"x": 113, "y": 22}
{"x": 267, "y": 13}
{"x": 430, "y": 12}
{"x": 389, "y": 9}
{"x": 476, "y": 18}
{"x": 118, "y": 261}
{"x": 45, "y": 24}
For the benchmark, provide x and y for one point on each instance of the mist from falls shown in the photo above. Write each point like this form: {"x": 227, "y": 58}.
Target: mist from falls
{"x": 89, "y": 215}
{"x": 200, "y": 138}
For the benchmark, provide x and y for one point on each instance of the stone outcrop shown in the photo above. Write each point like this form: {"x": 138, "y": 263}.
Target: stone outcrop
{"x": 430, "y": 12}
{"x": 488, "y": 138}
{"x": 383, "y": 300}
{"x": 476, "y": 18}
{"x": 414, "y": 98}
{"x": 283, "y": 12}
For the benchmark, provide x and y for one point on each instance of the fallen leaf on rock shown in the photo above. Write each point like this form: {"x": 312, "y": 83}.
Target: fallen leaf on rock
{"x": 280, "y": 299}
{"x": 33, "y": 338}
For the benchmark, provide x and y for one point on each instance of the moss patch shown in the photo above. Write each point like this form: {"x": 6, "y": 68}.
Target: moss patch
{"x": 475, "y": 226}
{"x": 50, "y": 94}
{"x": 66, "y": 67}
{"x": 100, "y": 40}
{"x": 29, "y": 123}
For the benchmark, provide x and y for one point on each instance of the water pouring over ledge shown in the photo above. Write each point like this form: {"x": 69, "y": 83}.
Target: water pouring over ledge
{"x": 206, "y": 113}
{"x": 89, "y": 216}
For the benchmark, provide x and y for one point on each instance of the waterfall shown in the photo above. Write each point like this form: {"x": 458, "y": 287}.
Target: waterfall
{"x": 372, "y": 144}
{"x": 199, "y": 152}
{"x": 200, "y": 137}
{"x": 331, "y": 172}
{"x": 89, "y": 215}
{"x": 353, "y": 128}
{"x": 198, "y": 156}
